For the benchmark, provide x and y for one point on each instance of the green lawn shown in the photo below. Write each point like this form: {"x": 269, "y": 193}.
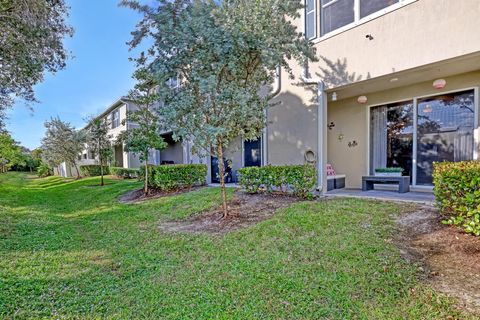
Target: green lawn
{"x": 70, "y": 250}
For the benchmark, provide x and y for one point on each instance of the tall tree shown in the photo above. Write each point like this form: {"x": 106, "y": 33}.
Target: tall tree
{"x": 144, "y": 134}
{"x": 224, "y": 52}
{"x": 62, "y": 143}
{"x": 31, "y": 42}
{"x": 10, "y": 152}
{"x": 99, "y": 141}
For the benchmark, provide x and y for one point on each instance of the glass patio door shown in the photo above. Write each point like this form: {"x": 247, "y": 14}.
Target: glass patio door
{"x": 445, "y": 127}
{"x": 414, "y": 134}
{"x": 391, "y": 137}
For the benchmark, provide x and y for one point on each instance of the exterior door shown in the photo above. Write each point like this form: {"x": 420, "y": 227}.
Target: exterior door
{"x": 444, "y": 131}
{"x": 252, "y": 153}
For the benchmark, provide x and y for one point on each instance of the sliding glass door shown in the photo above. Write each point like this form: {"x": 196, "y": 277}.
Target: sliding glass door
{"x": 444, "y": 131}
{"x": 391, "y": 137}
{"x": 414, "y": 134}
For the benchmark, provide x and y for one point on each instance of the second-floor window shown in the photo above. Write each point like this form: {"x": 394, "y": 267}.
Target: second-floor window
{"x": 335, "y": 14}
{"x": 115, "y": 118}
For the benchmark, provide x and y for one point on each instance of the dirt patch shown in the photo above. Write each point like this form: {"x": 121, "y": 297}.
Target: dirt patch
{"x": 139, "y": 196}
{"x": 450, "y": 258}
{"x": 245, "y": 210}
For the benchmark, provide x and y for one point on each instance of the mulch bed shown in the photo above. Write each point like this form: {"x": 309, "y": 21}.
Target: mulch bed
{"x": 244, "y": 210}
{"x": 450, "y": 258}
{"x": 139, "y": 196}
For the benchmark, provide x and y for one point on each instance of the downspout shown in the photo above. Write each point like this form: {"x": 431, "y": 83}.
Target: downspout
{"x": 276, "y": 91}
{"x": 321, "y": 129}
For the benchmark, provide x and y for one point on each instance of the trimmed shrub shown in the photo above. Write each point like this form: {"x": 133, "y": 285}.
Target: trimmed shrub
{"x": 44, "y": 170}
{"x": 175, "y": 176}
{"x": 93, "y": 170}
{"x": 124, "y": 173}
{"x": 298, "y": 179}
{"x": 457, "y": 193}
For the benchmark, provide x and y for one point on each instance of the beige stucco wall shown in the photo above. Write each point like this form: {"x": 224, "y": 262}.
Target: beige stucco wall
{"x": 351, "y": 120}
{"x": 419, "y": 33}
{"x": 174, "y": 152}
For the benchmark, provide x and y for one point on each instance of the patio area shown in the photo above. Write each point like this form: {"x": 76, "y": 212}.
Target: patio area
{"x": 413, "y": 196}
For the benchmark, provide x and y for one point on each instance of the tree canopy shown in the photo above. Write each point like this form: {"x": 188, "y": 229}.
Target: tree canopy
{"x": 144, "y": 133}
{"x": 99, "y": 142}
{"x": 10, "y": 152}
{"x": 223, "y": 52}
{"x": 31, "y": 42}
{"x": 62, "y": 143}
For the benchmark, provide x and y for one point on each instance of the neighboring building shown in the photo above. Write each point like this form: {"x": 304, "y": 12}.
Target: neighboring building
{"x": 378, "y": 104}
{"x": 176, "y": 152}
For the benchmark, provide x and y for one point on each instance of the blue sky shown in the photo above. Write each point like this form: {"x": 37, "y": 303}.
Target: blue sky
{"x": 97, "y": 75}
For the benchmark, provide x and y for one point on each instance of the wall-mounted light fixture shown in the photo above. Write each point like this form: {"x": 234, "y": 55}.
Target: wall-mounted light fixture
{"x": 331, "y": 125}
{"x": 369, "y": 37}
{"x": 362, "y": 99}
{"x": 439, "y": 83}
{"x": 334, "y": 96}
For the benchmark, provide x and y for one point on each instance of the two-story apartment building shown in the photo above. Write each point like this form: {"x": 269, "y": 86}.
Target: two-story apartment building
{"x": 176, "y": 152}
{"x": 397, "y": 84}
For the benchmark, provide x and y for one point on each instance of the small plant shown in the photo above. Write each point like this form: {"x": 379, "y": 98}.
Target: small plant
{"x": 457, "y": 193}
{"x": 44, "y": 170}
{"x": 389, "y": 170}
{"x": 124, "y": 173}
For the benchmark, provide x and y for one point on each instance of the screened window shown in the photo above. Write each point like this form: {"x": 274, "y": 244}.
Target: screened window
{"x": 115, "y": 118}
{"x": 336, "y": 14}
{"x": 311, "y": 19}
{"x": 368, "y": 7}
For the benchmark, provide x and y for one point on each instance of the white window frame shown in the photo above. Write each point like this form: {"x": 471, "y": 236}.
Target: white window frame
{"x": 315, "y": 24}
{"x": 357, "y": 20}
{"x": 114, "y": 125}
{"x": 476, "y": 129}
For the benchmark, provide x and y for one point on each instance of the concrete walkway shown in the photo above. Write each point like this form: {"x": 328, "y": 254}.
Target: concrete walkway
{"x": 417, "y": 197}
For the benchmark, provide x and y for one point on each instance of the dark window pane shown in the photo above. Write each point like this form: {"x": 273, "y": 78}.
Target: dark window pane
{"x": 445, "y": 131}
{"x": 310, "y": 5}
{"x": 370, "y": 6}
{"x": 336, "y": 15}
{"x": 391, "y": 137}
{"x": 310, "y": 25}
{"x": 310, "y": 19}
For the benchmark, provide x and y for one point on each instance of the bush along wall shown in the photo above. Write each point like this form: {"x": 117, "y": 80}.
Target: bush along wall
{"x": 124, "y": 173}
{"x": 93, "y": 170}
{"x": 297, "y": 179}
{"x": 457, "y": 193}
{"x": 175, "y": 176}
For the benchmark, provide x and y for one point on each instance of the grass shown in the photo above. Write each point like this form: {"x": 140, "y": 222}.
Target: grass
{"x": 70, "y": 250}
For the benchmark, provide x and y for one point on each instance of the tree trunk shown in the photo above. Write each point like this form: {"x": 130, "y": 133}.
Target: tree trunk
{"x": 221, "y": 169}
{"x": 145, "y": 186}
{"x": 78, "y": 171}
{"x": 101, "y": 173}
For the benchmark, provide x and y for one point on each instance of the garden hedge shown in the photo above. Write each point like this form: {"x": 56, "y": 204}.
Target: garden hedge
{"x": 93, "y": 170}
{"x": 175, "y": 176}
{"x": 124, "y": 173}
{"x": 298, "y": 179}
{"x": 457, "y": 193}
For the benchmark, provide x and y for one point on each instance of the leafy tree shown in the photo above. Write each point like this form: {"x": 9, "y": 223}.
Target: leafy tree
{"x": 99, "y": 141}
{"x": 31, "y": 38}
{"x": 224, "y": 52}
{"x": 144, "y": 134}
{"x": 10, "y": 152}
{"x": 62, "y": 143}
